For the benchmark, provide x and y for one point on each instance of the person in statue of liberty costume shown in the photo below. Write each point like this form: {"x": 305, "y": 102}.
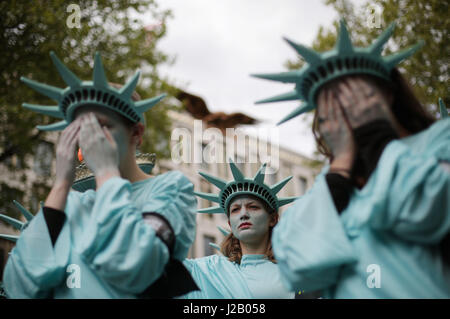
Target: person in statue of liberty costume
{"x": 376, "y": 222}
{"x": 126, "y": 238}
{"x": 247, "y": 268}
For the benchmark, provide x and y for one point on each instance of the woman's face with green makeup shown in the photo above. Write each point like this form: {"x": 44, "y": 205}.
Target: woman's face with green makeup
{"x": 249, "y": 220}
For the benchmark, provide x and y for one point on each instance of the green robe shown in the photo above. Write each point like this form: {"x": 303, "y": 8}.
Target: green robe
{"x": 385, "y": 244}
{"x": 219, "y": 278}
{"x": 105, "y": 247}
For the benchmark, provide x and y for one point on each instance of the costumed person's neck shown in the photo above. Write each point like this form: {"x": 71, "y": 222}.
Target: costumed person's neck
{"x": 130, "y": 170}
{"x": 257, "y": 248}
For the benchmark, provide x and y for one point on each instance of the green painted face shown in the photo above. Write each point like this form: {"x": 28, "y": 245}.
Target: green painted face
{"x": 249, "y": 220}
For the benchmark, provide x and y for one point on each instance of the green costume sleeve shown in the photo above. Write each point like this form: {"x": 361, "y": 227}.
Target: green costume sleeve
{"x": 309, "y": 241}
{"x": 418, "y": 208}
{"x": 34, "y": 266}
{"x": 402, "y": 211}
{"x": 121, "y": 247}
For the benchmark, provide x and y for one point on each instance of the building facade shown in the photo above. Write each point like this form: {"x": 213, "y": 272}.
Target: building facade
{"x": 288, "y": 163}
{"x": 247, "y": 157}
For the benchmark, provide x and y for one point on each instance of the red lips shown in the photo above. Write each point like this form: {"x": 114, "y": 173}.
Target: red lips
{"x": 246, "y": 225}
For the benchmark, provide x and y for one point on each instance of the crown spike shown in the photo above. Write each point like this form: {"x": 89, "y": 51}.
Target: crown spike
{"x": 28, "y": 216}
{"x": 396, "y": 58}
{"x": 145, "y": 105}
{"x": 12, "y": 238}
{"x": 442, "y": 109}
{"x": 17, "y": 224}
{"x": 100, "y": 79}
{"x": 71, "y": 79}
{"x": 278, "y": 186}
{"x": 51, "y": 91}
{"x": 220, "y": 183}
{"x": 377, "y": 46}
{"x": 301, "y": 109}
{"x": 223, "y": 231}
{"x": 127, "y": 90}
{"x": 308, "y": 54}
{"x": 210, "y": 197}
{"x": 211, "y": 210}
{"x": 286, "y": 77}
{"x": 80, "y": 93}
{"x": 44, "y": 109}
{"x": 259, "y": 177}
{"x": 344, "y": 43}
{"x": 286, "y": 200}
{"x": 293, "y": 95}
{"x": 237, "y": 174}
{"x": 53, "y": 127}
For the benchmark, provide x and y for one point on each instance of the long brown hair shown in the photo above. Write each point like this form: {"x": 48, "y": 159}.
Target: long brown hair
{"x": 407, "y": 109}
{"x": 231, "y": 246}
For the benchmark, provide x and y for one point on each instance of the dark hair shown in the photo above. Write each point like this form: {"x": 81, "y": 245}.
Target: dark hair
{"x": 409, "y": 113}
{"x": 407, "y": 109}
{"x": 231, "y": 246}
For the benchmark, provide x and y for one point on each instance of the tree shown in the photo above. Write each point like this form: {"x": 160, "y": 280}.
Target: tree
{"x": 31, "y": 29}
{"x": 428, "y": 69}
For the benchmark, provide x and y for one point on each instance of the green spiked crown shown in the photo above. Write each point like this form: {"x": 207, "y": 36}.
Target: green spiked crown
{"x": 243, "y": 186}
{"x": 343, "y": 59}
{"x": 96, "y": 92}
{"x": 17, "y": 224}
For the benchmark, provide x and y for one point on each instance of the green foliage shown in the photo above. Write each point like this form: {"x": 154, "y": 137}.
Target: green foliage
{"x": 31, "y": 29}
{"x": 428, "y": 69}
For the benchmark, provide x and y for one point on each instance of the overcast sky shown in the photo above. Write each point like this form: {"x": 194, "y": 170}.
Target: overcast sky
{"x": 217, "y": 44}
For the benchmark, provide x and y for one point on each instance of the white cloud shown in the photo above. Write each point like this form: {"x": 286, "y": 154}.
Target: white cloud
{"x": 217, "y": 45}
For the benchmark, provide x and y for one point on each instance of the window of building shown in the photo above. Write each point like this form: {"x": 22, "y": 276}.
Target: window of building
{"x": 207, "y": 249}
{"x": 204, "y": 164}
{"x": 240, "y": 163}
{"x": 205, "y": 187}
{"x": 271, "y": 177}
{"x": 303, "y": 185}
{"x": 223, "y": 167}
{"x": 289, "y": 187}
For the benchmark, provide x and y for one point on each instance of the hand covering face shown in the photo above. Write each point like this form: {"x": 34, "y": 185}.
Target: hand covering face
{"x": 65, "y": 153}
{"x": 98, "y": 146}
